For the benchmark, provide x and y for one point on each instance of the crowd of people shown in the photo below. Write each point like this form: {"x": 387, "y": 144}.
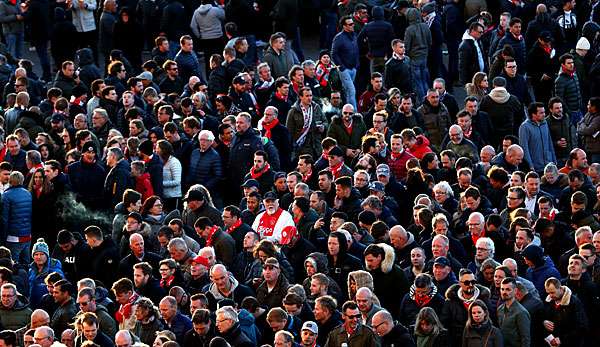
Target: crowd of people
{"x": 188, "y": 177}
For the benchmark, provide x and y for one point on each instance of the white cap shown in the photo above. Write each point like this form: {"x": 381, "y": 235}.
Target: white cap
{"x": 583, "y": 43}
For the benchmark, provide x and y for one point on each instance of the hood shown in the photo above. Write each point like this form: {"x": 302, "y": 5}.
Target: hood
{"x": 320, "y": 260}
{"x": 85, "y": 56}
{"x": 101, "y": 293}
{"x": 387, "y": 264}
{"x": 590, "y": 30}
{"x": 215, "y": 292}
{"x": 203, "y": 9}
{"x": 362, "y": 279}
{"x": 377, "y": 13}
{"x": 59, "y": 14}
{"x": 500, "y": 95}
{"x": 422, "y": 141}
{"x": 21, "y": 303}
{"x": 245, "y": 318}
{"x": 413, "y": 16}
{"x": 121, "y": 209}
{"x": 566, "y": 298}
{"x": 452, "y": 292}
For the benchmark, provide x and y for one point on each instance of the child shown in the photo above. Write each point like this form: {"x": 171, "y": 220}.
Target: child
{"x": 143, "y": 185}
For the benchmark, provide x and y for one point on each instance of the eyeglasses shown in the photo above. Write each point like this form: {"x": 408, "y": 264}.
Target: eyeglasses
{"x": 222, "y": 320}
{"x": 378, "y": 325}
{"x": 347, "y": 112}
{"x": 482, "y": 249}
{"x": 40, "y": 338}
{"x": 356, "y": 316}
{"x": 512, "y": 198}
{"x": 469, "y": 283}
{"x": 164, "y": 269}
{"x": 586, "y": 257}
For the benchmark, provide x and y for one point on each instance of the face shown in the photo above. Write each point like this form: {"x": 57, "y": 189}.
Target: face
{"x": 433, "y": 98}
{"x": 482, "y": 252}
{"x": 352, "y": 318}
{"x": 9, "y": 297}
{"x": 539, "y": 115}
{"x": 532, "y": 186}
{"x": 417, "y": 258}
{"x": 40, "y": 258}
{"x": 333, "y": 246}
{"x": 379, "y": 122}
{"x": 467, "y": 283}
{"x": 478, "y": 314}
{"x": 515, "y": 29}
{"x": 589, "y": 256}
{"x": 13, "y": 147}
{"x": 373, "y": 262}
{"x": 349, "y": 25}
{"x": 399, "y": 49}
{"x": 308, "y": 337}
{"x": 223, "y": 324}
{"x": 440, "y": 272}
{"x": 553, "y": 292}
{"x": 513, "y": 200}
{"x": 139, "y": 278}
{"x": 511, "y": 68}
{"x": 568, "y": 65}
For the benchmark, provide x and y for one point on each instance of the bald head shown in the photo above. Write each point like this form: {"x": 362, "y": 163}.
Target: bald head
{"x": 39, "y": 318}
{"x": 364, "y": 293}
{"x": 514, "y": 154}
{"x": 123, "y": 338}
{"x": 541, "y": 8}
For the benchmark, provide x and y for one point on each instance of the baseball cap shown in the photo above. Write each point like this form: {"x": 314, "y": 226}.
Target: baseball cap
{"x": 270, "y": 196}
{"x": 336, "y": 151}
{"x": 146, "y": 75}
{"x": 310, "y": 326}
{"x": 201, "y": 260}
{"x": 377, "y": 186}
{"x": 194, "y": 195}
{"x": 57, "y": 118}
{"x": 287, "y": 234}
{"x": 273, "y": 262}
{"x": 383, "y": 170}
{"x": 251, "y": 183}
{"x": 239, "y": 79}
{"x": 546, "y": 36}
{"x": 88, "y": 147}
{"x": 441, "y": 261}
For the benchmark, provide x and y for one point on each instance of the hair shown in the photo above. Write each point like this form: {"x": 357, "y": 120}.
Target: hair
{"x": 122, "y": 286}
{"x": 327, "y": 302}
{"x": 477, "y": 303}
{"x": 428, "y": 314}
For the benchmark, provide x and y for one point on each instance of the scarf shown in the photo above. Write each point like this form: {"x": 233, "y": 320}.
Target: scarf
{"x": 335, "y": 170}
{"x": 422, "y": 300}
{"x": 166, "y": 282}
{"x": 475, "y": 238}
{"x": 518, "y": 38}
{"x": 124, "y": 312}
{"x": 322, "y": 74}
{"x": 234, "y": 226}
{"x": 268, "y": 127}
{"x": 571, "y": 74}
{"x": 547, "y": 49}
{"x": 397, "y": 57}
{"x": 361, "y": 20}
{"x": 306, "y": 177}
{"x": 256, "y": 175}
{"x": 348, "y": 128}
{"x": 468, "y": 133}
{"x": 468, "y": 302}
{"x": 396, "y": 156}
{"x": 211, "y": 235}
{"x": 429, "y": 19}
{"x": 280, "y": 96}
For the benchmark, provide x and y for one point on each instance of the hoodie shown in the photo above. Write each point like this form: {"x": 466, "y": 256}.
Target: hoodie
{"x": 505, "y": 112}
{"x": 417, "y": 37}
{"x": 378, "y": 34}
{"x": 207, "y": 22}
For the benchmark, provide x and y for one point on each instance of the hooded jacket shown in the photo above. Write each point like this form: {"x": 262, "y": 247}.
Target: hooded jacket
{"x": 421, "y": 147}
{"x": 588, "y": 127}
{"x": 544, "y": 268}
{"x": 537, "y": 144}
{"x": 18, "y": 316}
{"x": 237, "y": 293}
{"x": 207, "y": 22}
{"x": 88, "y": 70}
{"x": 378, "y": 34}
{"x": 436, "y": 120}
{"x": 505, "y": 112}
{"x": 409, "y": 308}
{"x": 389, "y": 280}
{"x": 417, "y": 37}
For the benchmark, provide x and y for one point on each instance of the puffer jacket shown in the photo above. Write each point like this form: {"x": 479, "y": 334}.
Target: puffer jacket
{"x": 8, "y": 18}
{"x": 417, "y": 37}
{"x": 83, "y": 18}
{"x": 436, "y": 120}
{"x": 588, "y": 127}
{"x": 567, "y": 88}
{"x": 241, "y": 153}
{"x": 389, "y": 281}
{"x": 117, "y": 181}
{"x": 172, "y": 178}
{"x": 17, "y": 316}
{"x": 409, "y": 307}
{"x": 205, "y": 168}
{"x": 37, "y": 286}
{"x": 207, "y": 22}
{"x": 16, "y": 214}
{"x": 274, "y": 297}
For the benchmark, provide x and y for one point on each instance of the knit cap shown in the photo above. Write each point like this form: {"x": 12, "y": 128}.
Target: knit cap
{"x": 583, "y": 43}
{"x": 40, "y": 246}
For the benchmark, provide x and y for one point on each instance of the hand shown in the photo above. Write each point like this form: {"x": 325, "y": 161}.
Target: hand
{"x": 19, "y": 17}
{"x": 545, "y": 77}
{"x": 319, "y": 223}
{"x": 555, "y": 342}
{"x": 549, "y": 325}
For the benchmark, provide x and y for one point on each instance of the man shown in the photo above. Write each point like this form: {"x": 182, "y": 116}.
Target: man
{"x": 281, "y": 99}
{"x": 306, "y": 124}
{"x": 471, "y": 58}
{"x": 272, "y": 290}
{"x": 270, "y": 223}
{"x": 202, "y": 331}
{"x": 276, "y": 131}
{"x": 364, "y": 301}
{"x": 145, "y": 283}
{"x": 245, "y": 143}
{"x": 352, "y": 329}
{"x": 561, "y": 129}
{"x": 309, "y": 334}
{"x": 435, "y": 117}
{"x": 347, "y": 198}
{"x": 423, "y": 293}
{"x": 398, "y": 69}
{"x": 119, "y": 177}
{"x": 87, "y": 178}
{"x": 378, "y": 34}
{"x": 391, "y": 333}
{"x": 335, "y": 158}
{"x": 505, "y": 111}
{"x": 513, "y": 318}
{"x": 16, "y": 218}
{"x": 402, "y": 242}
{"x": 44, "y": 336}
{"x": 261, "y": 171}
{"x": 345, "y": 54}
{"x": 127, "y": 299}
{"x": 232, "y": 220}
{"x": 225, "y": 286}
{"x": 66, "y": 311}
{"x": 564, "y": 313}
{"x": 348, "y": 130}
{"x": 513, "y": 159}
{"x": 197, "y": 206}
{"x": 90, "y": 331}
{"x": 15, "y": 155}
{"x": 228, "y": 326}
{"x": 221, "y": 241}
{"x": 205, "y": 163}
{"x": 187, "y": 60}
{"x": 87, "y": 303}
{"x": 417, "y": 39}
{"x": 567, "y": 87}
{"x": 458, "y": 297}
{"x": 14, "y": 308}
{"x": 460, "y": 145}
{"x": 443, "y": 276}
{"x": 173, "y": 83}
{"x": 367, "y": 99}
{"x": 534, "y": 138}
{"x": 278, "y": 58}
{"x": 328, "y": 317}
{"x": 581, "y": 285}
{"x": 103, "y": 255}
{"x": 173, "y": 320}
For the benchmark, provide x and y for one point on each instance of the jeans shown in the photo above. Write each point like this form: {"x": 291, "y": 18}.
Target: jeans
{"x": 297, "y": 45}
{"x": 576, "y": 116}
{"x": 347, "y": 76}
{"x": 251, "y": 56}
{"x": 20, "y": 252}
{"x": 328, "y": 21}
{"x": 420, "y": 78}
{"x": 15, "y": 44}
{"x": 41, "y": 48}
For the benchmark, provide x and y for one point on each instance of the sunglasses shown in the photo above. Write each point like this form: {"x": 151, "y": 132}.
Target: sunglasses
{"x": 469, "y": 283}
{"x": 356, "y": 316}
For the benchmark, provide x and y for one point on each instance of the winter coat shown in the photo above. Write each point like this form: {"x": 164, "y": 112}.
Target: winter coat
{"x": 236, "y": 337}
{"x": 188, "y": 65}
{"x": 105, "y": 31}
{"x": 337, "y": 130}
{"x": 16, "y": 214}
{"x": 539, "y": 63}
{"x": 147, "y": 331}
{"x": 588, "y": 128}
{"x": 241, "y": 154}
{"x": 567, "y": 88}
{"x": 103, "y": 262}
{"x": 468, "y": 61}
{"x": 8, "y": 18}
{"x": 570, "y": 320}
{"x": 37, "y": 286}
{"x": 362, "y": 336}
{"x": 518, "y": 46}
{"x": 421, "y": 147}
{"x": 117, "y": 181}
{"x": 537, "y": 145}
{"x": 504, "y": 110}
{"x": 378, "y": 34}
{"x": 237, "y": 293}
{"x": 518, "y": 87}
{"x": 417, "y": 37}
{"x": 88, "y": 71}
{"x": 398, "y": 74}
{"x": 205, "y": 168}
{"x": 295, "y": 124}
{"x": 389, "y": 281}
{"x": 280, "y": 63}
{"x": 274, "y": 297}
{"x": 485, "y": 335}
{"x": 436, "y": 121}
{"x": 171, "y": 22}
{"x": 129, "y": 38}
{"x": 64, "y": 83}
{"x": 62, "y": 317}
{"x": 18, "y": 316}
{"x": 38, "y": 15}
{"x": 409, "y": 309}
{"x": 541, "y": 273}
{"x": 207, "y": 22}
{"x": 515, "y": 324}
{"x": 83, "y": 18}
{"x": 562, "y": 128}
{"x": 454, "y": 314}
{"x": 87, "y": 182}
{"x": 172, "y": 178}
{"x": 344, "y": 50}
{"x": 155, "y": 168}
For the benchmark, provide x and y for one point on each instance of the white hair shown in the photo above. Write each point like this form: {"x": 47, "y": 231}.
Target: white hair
{"x": 229, "y": 312}
{"x": 488, "y": 243}
{"x": 445, "y": 186}
{"x": 209, "y": 135}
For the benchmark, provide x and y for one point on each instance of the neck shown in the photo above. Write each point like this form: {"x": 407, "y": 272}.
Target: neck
{"x": 509, "y": 302}
{"x": 575, "y": 277}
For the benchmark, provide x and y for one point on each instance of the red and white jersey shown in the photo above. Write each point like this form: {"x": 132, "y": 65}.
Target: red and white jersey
{"x": 270, "y": 226}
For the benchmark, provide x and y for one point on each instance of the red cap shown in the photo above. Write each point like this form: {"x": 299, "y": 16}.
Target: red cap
{"x": 201, "y": 260}
{"x": 288, "y": 234}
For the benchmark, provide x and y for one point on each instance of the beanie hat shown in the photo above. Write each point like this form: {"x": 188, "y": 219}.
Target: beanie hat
{"x": 535, "y": 254}
{"x": 324, "y": 52}
{"x": 146, "y": 147}
{"x": 583, "y": 43}
{"x": 40, "y": 246}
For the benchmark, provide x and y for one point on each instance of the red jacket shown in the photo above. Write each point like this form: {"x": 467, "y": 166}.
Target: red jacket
{"x": 143, "y": 185}
{"x": 421, "y": 147}
{"x": 398, "y": 165}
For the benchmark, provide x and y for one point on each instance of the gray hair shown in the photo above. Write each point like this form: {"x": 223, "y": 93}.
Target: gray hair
{"x": 445, "y": 186}
{"x": 308, "y": 63}
{"x": 439, "y": 217}
{"x": 229, "y": 312}
{"x": 178, "y": 243}
{"x": 102, "y": 112}
{"x": 551, "y": 167}
{"x": 209, "y": 135}
{"x": 489, "y": 243}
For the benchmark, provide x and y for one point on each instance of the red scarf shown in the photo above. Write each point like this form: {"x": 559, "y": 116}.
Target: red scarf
{"x": 396, "y": 156}
{"x": 269, "y": 127}
{"x": 234, "y": 226}
{"x": 279, "y": 96}
{"x": 255, "y": 175}
{"x": 571, "y": 74}
{"x": 422, "y": 300}
{"x": 211, "y": 235}
{"x": 361, "y": 20}
{"x": 124, "y": 311}
{"x": 475, "y": 238}
{"x": 547, "y": 49}
{"x": 335, "y": 170}
{"x": 306, "y": 177}
{"x": 322, "y": 74}
{"x": 348, "y": 128}
{"x": 166, "y": 282}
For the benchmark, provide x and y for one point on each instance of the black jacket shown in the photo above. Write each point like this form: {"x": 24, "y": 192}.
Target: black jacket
{"x": 236, "y": 337}
{"x": 468, "y": 61}
{"x": 398, "y": 336}
{"x": 117, "y": 181}
{"x": 398, "y": 74}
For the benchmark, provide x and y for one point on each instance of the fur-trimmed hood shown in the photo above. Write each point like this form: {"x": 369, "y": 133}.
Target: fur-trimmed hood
{"x": 566, "y": 298}
{"x": 452, "y": 292}
{"x": 387, "y": 264}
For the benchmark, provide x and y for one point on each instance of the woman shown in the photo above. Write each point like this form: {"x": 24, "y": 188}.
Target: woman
{"x": 359, "y": 279}
{"x": 41, "y": 266}
{"x": 147, "y": 322}
{"x": 500, "y": 273}
{"x": 444, "y": 195}
{"x": 68, "y": 138}
{"x": 43, "y": 202}
{"x": 486, "y": 272}
{"x": 429, "y": 331}
{"x": 479, "y": 86}
{"x": 340, "y": 262}
{"x": 170, "y": 274}
{"x": 328, "y": 75}
{"x": 479, "y": 330}
{"x": 262, "y": 251}
{"x": 47, "y": 152}
{"x": 171, "y": 175}
{"x": 153, "y": 213}
{"x": 128, "y": 37}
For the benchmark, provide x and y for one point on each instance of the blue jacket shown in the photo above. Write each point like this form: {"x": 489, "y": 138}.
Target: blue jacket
{"x": 205, "y": 168}
{"x": 537, "y": 144}
{"x": 188, "y": 65}
{"x": 37, "y": 286}
{"x": 540, "y": 274}
{"x": 16, "y": 213}
{"x": 344, "y": 50}
{"x": 378, "y": 34}
{"x": 179, "y": 326}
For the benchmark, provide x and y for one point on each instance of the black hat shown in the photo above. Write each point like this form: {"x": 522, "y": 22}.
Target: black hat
{"x": 367, "y": 217}
{"x": 57, "y": 118}
{"x": 270, "y": 196}
{"x": 146, "y": 147}
{"x": 251, "y": 183}
{"x": 136, "y": 216}
{"x": 194, "y": 195}
{"x": 88, "y": 147}
{"x": 546, "y": 36}
{"x": 239, "y": 79}
{"x": 324, "y": 52}
{"x": 441, "y": 261}
{"x": 337, "y": 151}
{"x": 278, "y": 175}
